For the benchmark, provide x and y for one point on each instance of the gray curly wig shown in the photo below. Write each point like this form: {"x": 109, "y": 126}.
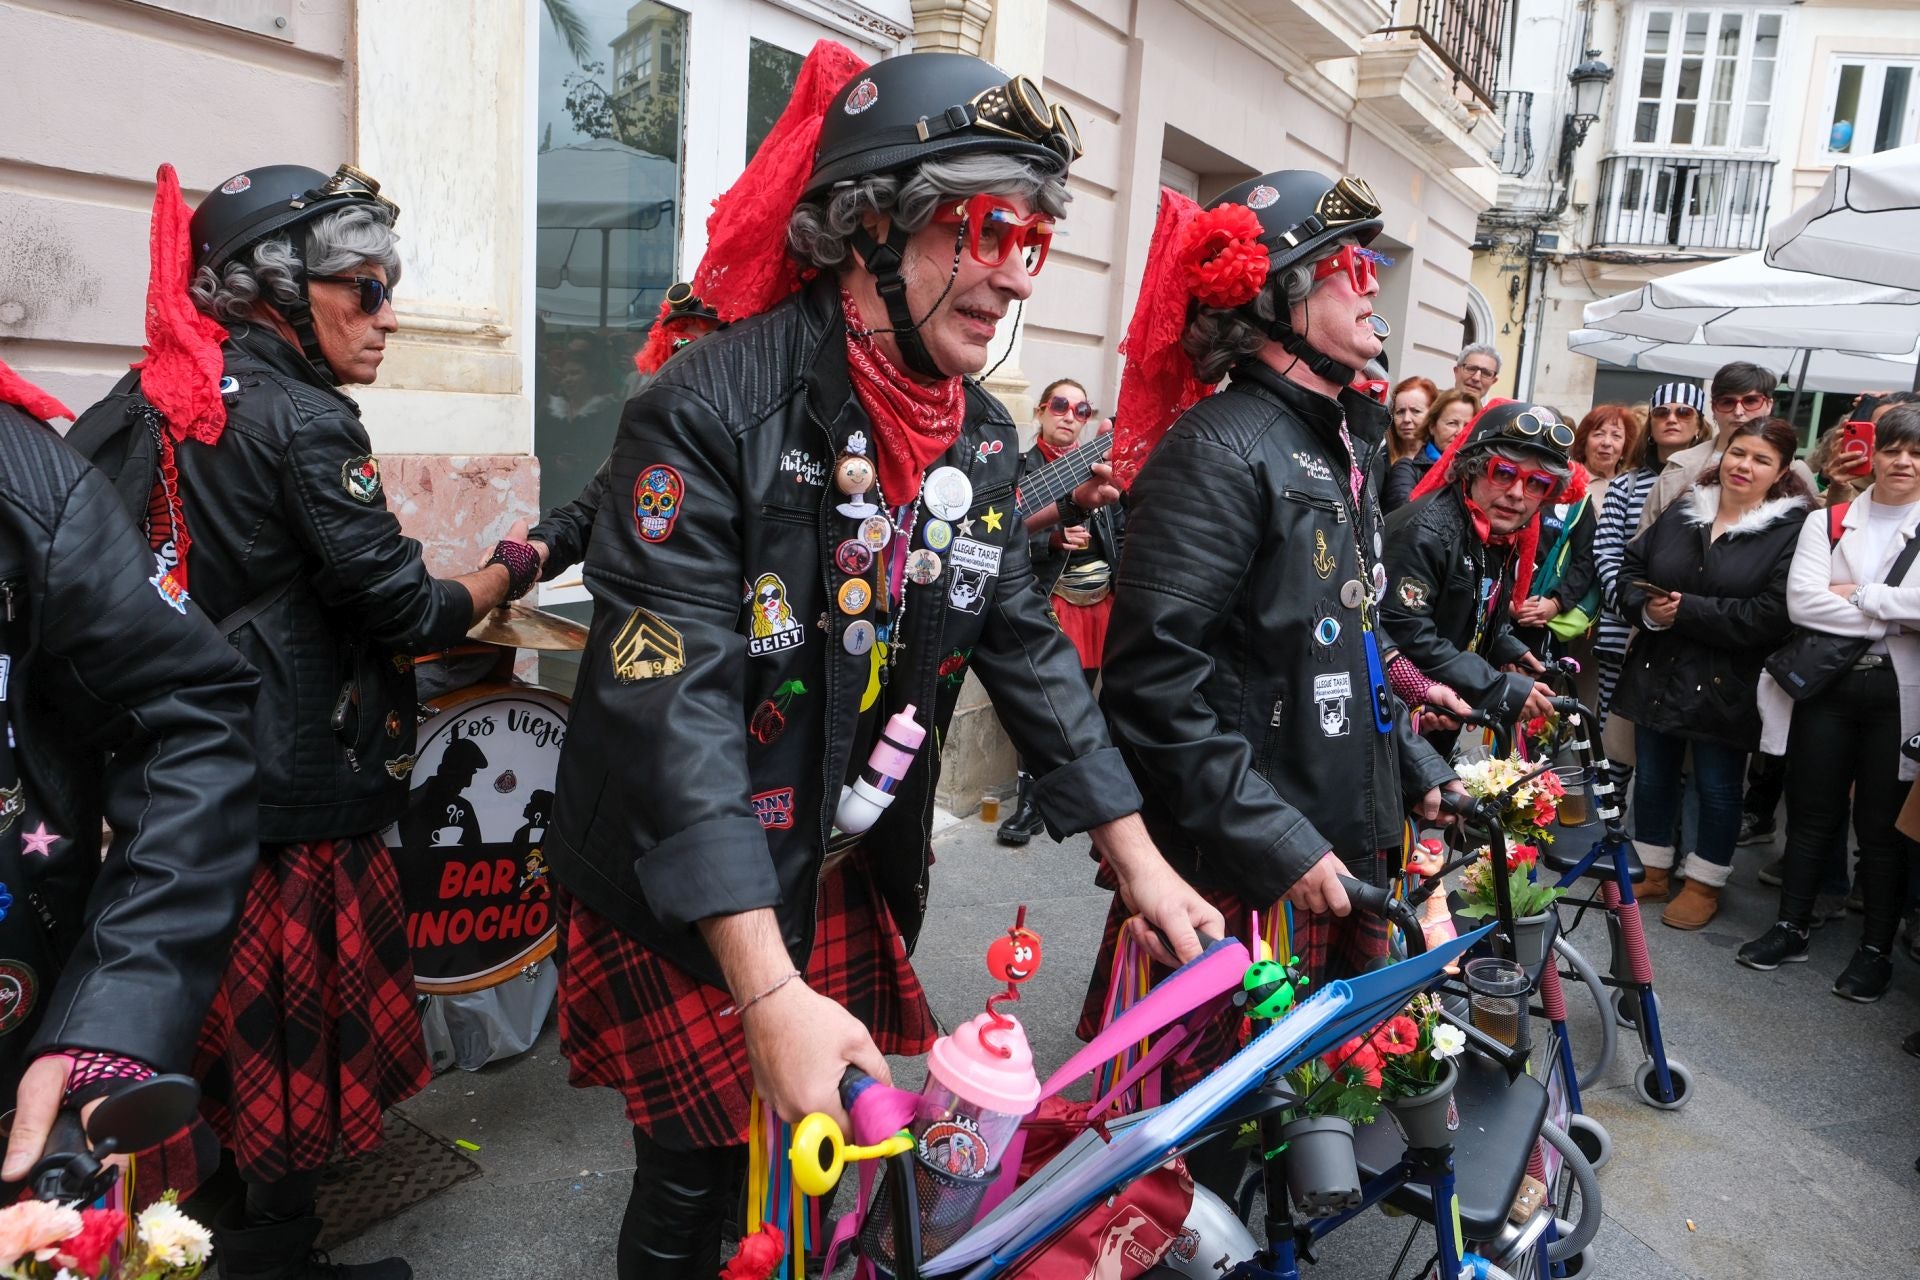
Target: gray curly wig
{"x": 1217, "y": 339}
{"x": 818, "y": 231}
{"x": 267, "y": 272}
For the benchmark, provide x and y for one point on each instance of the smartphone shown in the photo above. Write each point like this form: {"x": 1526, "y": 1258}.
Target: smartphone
{"x": 1649, "y": 587}
{"x": 1856, "y": 436}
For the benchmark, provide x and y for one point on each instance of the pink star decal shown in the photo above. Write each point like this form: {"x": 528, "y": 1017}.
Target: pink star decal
{"x": 39, "y": 841}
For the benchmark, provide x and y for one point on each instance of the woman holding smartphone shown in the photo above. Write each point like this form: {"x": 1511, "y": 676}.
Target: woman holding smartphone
{"x": 1707, "y": 586}
{"x": 1846, "y": 738}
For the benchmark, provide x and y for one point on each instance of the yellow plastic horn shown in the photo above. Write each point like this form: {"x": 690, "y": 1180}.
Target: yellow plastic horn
{"x": 819, "y": 1133}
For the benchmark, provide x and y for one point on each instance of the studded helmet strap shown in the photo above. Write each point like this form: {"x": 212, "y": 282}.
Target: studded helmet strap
{"x": 884, "y": 262}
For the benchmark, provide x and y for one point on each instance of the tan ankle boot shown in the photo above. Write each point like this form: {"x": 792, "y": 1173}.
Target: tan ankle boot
{"x": 1654, "y": 888}
{"x": 1696, "y": 905}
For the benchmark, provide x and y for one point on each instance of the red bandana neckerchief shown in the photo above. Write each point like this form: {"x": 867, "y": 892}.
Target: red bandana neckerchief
{"x": 1525, "y": 542}
{"x": 1052, "y": 454}
{"x": 915, "y": 422}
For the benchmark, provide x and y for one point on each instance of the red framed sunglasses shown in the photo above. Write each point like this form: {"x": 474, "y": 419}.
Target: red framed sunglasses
{"x": 1361, "y": 265}
{"x": 1535, "y": 483}
{"x": 1081, "y": 412}
{"x": 994, "y": 231}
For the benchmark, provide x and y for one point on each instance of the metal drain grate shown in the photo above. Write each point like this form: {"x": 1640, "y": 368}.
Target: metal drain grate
{"x": 412, "y": 1165}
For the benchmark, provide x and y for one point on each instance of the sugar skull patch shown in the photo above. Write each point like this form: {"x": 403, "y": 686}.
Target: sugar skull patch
{"x": 656, "y": 502}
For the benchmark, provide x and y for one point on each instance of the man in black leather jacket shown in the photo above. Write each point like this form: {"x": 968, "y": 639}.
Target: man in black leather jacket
{"x": 271, "y": 496}
{"x": 813, "y": 537}
{"x": 1241, "y": 677}
{"x": 1454, "y": 552}
{"x": 113, "y": 705}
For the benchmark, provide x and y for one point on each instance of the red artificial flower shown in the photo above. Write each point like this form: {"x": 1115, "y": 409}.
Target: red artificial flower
{"x": 1537, "y": 727}
{"x": 1398, "y": 1035}
{"x": 1544, "y": 809}
{"x": 100, "y": 1231}
{"x": 1523, "y": 855}
{"x": 1224, "y": 262}
{"x": 1356, "y": 1055}
{"x": 759, "y": 1257}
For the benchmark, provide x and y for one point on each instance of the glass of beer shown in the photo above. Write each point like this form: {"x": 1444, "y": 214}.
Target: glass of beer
{"x": 1576, "y": 808}
{"x": 1497, "y": 997}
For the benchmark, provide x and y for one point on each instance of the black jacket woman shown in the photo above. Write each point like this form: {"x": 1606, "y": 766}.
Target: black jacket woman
{"x": 1707, "y": 585}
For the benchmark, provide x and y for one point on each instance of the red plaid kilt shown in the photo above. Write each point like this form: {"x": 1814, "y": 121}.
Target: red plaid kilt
{"x": 315, "y": 1030}
{"x": 1328, "y": 946}
{"x": 636, "y": 1022}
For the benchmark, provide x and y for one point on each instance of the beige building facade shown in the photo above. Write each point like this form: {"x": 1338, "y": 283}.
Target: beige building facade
{"x": 1719, "y": 120}
{"x": 554, "y": 161}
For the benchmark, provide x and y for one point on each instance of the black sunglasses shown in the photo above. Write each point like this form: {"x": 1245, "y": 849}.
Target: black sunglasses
{"x": 1082, "y": 411}
{"x": 375, "y": 293}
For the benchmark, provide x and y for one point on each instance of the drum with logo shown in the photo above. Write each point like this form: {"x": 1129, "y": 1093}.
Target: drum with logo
{"x": 469, "y": 848}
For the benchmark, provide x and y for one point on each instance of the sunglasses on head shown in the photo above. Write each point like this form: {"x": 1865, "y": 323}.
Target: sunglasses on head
{"x": 1361, "y": 265}
{"x": 375, "y": 293}
{"x": 994, "y": 230}
{"x": 1081, "y": 412}
{"x": 1752, "y": 402}
{"x": 1535, "y": 483}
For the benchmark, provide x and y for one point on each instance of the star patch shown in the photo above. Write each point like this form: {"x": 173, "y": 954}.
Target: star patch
{"x": 39, "y": 840}
{"x": 991, "y": 518}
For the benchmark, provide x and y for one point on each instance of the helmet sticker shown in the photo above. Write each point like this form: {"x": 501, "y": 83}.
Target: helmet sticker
{"x": 864, "y": 95}
{"x": 235, "y": 185}
{"x": 1261, "y": 196}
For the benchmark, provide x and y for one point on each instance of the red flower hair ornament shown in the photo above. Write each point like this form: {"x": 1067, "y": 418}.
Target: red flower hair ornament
{"x": 1224, "y": 262}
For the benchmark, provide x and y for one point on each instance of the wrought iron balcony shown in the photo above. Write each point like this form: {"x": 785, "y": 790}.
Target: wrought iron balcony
{"x": 1514, "y": 157}
{"x": 1682, "y": 202}
{"x": 1465, "y": 34}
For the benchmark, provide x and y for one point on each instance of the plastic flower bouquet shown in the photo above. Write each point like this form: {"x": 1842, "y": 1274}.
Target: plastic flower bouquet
{"x": 1528, "y": 896}
{"x": 1345, "y": 1082}
{"x": 1414, "y": 1048}
{"x": 41, "y": 1240}
{"x": 1527, "y": 810}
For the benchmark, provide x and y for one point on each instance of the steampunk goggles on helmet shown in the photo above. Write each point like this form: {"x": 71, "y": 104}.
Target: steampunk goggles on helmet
{"x": 1348, "y": 201}
{"x": 355, "y": 183}
{"x": 1531, "y": 426}
{"x": 1017, "y": 109}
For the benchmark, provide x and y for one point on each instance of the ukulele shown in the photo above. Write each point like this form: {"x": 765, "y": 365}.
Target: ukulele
{"x": 1043, "y": 486}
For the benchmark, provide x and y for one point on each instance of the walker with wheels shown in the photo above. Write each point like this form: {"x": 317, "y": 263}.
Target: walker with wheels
{"x": 1465, "y": 1191}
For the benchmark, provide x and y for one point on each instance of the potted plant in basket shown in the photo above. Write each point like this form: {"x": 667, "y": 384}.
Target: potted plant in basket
{"x": 45, "y": 1240}
{"x": 1417, "y": 1049}
{"x": 1336, "y": 1091}
{"x": 1532, "y": 900}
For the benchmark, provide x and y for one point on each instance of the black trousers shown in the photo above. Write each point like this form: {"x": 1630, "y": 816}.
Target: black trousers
{"x": 681, "y": 1201}
{"x": 1847, "y": 740}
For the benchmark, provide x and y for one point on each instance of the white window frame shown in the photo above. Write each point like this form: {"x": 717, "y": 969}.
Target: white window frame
{"x": 1627, "y": 96}
{"x": 1871, "y": 89}
{"x": 713, "y": 148}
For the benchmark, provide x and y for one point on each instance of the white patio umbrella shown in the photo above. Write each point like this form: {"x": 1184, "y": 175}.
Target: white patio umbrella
{"x": 1863, "y": 225}
{"x": 1823, "y": 370}
{"x": 1743, "y": 302}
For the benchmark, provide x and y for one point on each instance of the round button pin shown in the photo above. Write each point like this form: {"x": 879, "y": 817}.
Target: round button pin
{"x": 858, "y": 638}
{"x": 948, "y": 493}
{"x": 855, "y": 596}
{"x": 876, "y": 532}
{"x": 853, "y": 556}
{"x": 1352, "y": 593}
{"x": 937, "y": 534}
{"x": 923, "y": 567}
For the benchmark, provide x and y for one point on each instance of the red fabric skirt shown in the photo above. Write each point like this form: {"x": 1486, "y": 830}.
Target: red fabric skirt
{"x": 633, "y": 1021}
{"x": 1086, "y": 626}
{"x": 315, "y": 1029}
{"x": 1328, "y": 946}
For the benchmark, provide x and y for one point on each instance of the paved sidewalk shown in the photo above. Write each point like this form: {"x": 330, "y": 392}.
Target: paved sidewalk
{"x": 1794, "y": 1159}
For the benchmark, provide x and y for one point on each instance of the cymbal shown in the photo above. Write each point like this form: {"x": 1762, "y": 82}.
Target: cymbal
{"x": 521, "y": 626}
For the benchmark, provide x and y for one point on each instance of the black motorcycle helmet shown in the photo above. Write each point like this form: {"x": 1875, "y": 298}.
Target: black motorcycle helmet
{"x": 905, "y": 110}
{"x": 1515, "y": 426}
{"x": 1299, "y": 211}
{"x": 250, "y": 206}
